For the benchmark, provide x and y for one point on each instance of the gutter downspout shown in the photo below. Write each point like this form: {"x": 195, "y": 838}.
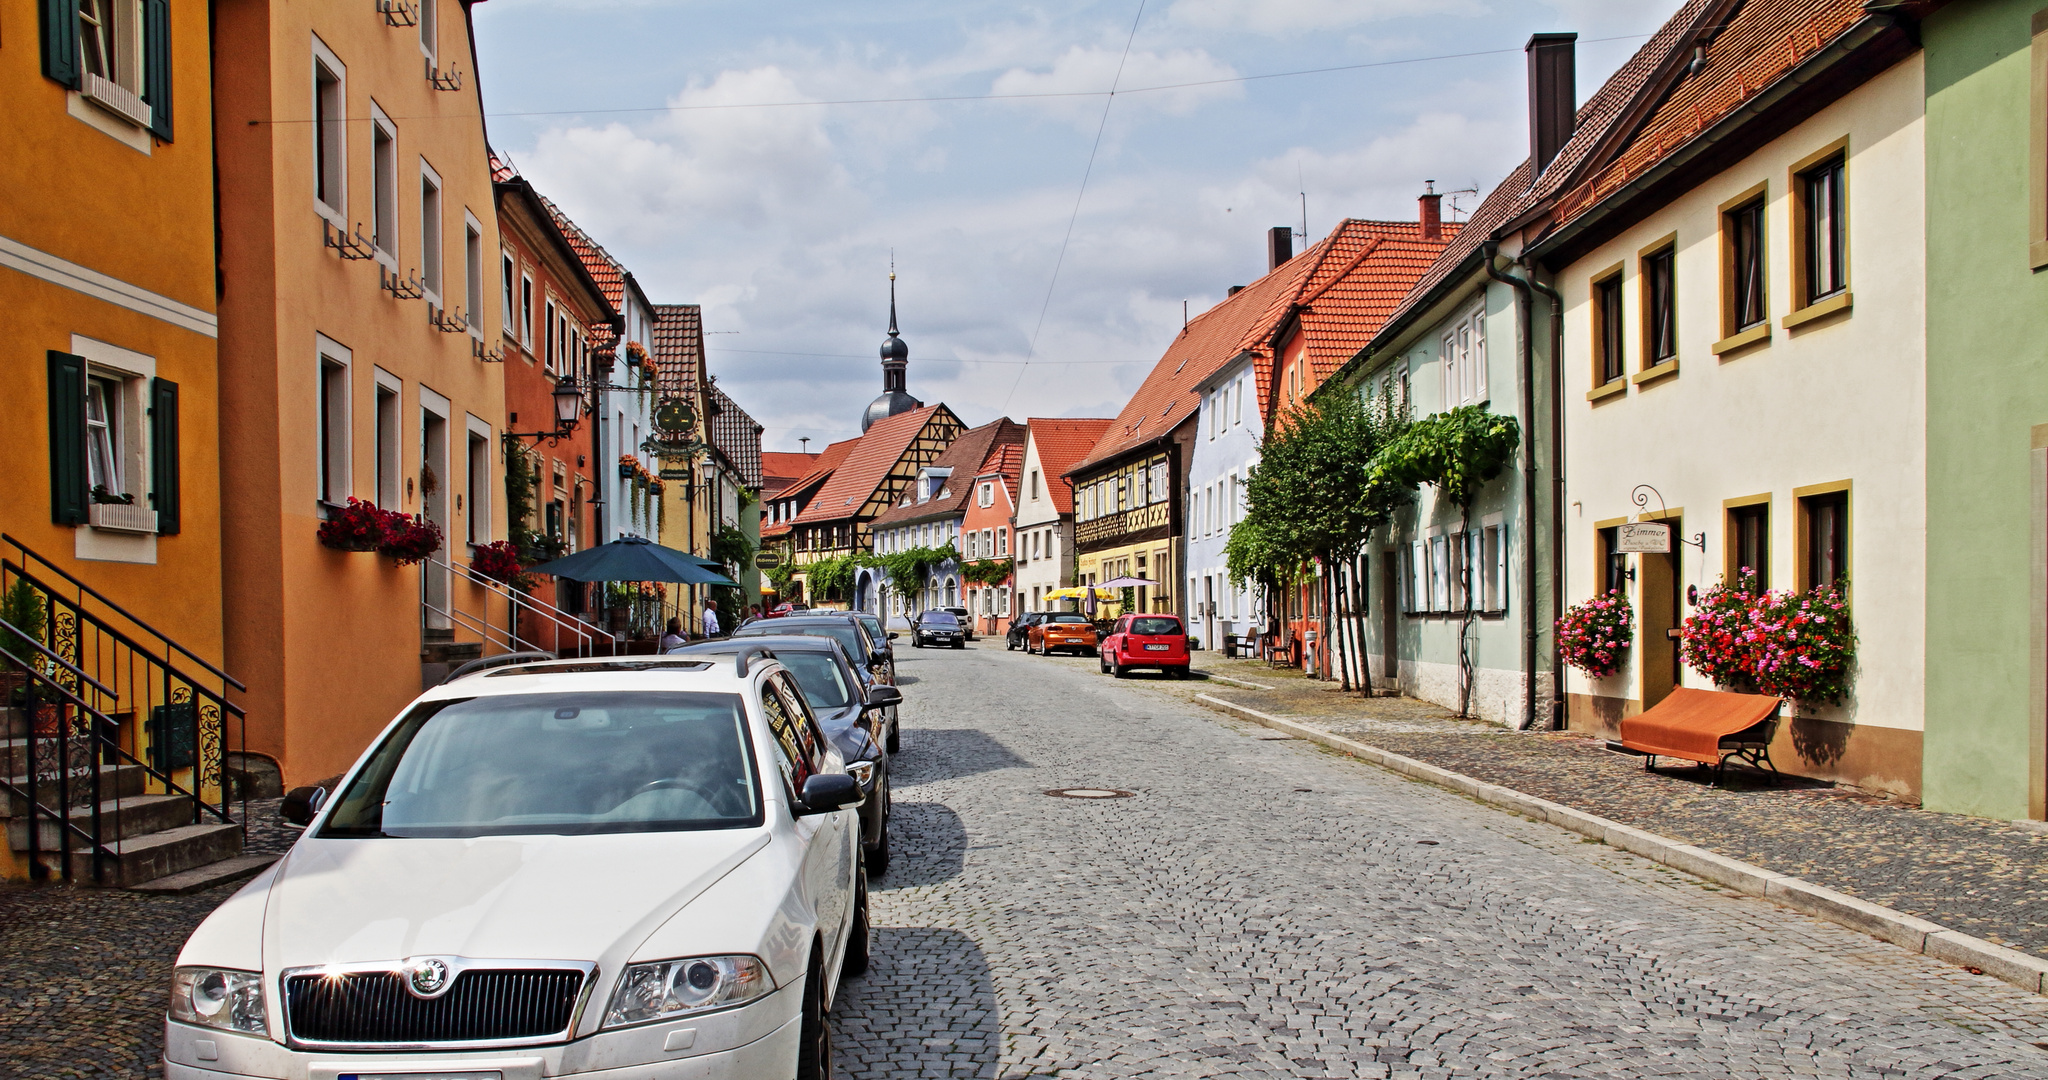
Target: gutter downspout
{"x": 1556, "y": 485}
{"x": 1524, "y": 303}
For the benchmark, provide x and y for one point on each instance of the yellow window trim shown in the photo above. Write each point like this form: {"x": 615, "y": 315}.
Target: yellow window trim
{"x": 1729, "y": 568}
{"x": 1820, "y": 309}
{"x": 1649, "y": 375}
{"x": 1798, "y": 234}
{"x": 1759, "y": 191}
{"x": 1760, "y": 333}
{"x": 1611, "y": 389}
{"x": 1598, "y": 334}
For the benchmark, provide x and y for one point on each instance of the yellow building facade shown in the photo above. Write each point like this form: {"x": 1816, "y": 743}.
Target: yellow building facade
{"x": 359, "y": 245}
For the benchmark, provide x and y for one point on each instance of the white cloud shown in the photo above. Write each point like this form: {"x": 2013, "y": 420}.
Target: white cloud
{"x": 1287, "y": 17}
{"x": 1092, "y": 70}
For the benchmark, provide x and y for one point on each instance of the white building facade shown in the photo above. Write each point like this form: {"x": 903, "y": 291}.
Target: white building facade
{"x": 1775, "y": 419}
{"x": 1226, "y": 449}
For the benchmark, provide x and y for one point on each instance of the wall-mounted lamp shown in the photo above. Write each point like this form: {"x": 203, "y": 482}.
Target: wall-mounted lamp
{"x": 568, "y": 398}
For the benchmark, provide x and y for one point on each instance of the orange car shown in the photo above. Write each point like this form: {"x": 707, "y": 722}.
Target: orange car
{"x": 1065, "y": 630}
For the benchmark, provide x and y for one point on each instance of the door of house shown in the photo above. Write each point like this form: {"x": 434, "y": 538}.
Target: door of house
{"x": 434, "y": 505}
{"x": 1658, "y": 587}
{"x": 1390, "y": 617}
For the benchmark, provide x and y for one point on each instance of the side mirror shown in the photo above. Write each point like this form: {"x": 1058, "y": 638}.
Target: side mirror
{"x": 881, "y": 697}
{"x": 826, "y": 792}
{"x": 300, "y": 804}
{"x": 893, "y": 635}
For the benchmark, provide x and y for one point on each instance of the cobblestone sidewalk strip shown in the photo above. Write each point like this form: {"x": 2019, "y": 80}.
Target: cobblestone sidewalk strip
{"x": 1980, "y": 877}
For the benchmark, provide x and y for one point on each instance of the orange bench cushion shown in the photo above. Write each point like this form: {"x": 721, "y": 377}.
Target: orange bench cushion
{"x": 1690, "y": 723}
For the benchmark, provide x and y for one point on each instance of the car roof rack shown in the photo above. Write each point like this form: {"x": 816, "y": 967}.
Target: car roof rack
{"x": 501, "y": 660}
{"x": 748, "y": 653}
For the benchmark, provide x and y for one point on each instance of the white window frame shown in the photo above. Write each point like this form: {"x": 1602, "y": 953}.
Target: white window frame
{"x": 548, "y": 323}
{"x": 1439, "y": 573}
{"x": 430, "y": 30}
{"x": 332, "y": 133}
{"x": 526, "y": 309}
{"x": 508, "y": 284}
{"x": 338, "y": 419}
{"x": 384, "y": 200}
{"x": 389, "y": 461}
{"x": 473, "y": 259}
{"x": 433, "y": 239}
{"x": 477, "y": 508}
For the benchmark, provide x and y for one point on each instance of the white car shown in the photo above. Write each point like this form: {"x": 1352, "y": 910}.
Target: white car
{"x": 644, "y": 867}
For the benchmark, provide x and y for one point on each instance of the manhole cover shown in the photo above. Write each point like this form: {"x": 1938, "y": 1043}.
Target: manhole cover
{"x": 1089, "y": 793}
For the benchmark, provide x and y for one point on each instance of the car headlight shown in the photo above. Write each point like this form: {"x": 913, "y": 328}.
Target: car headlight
{"x": 229, "y": 1000}
{"x": 670, "y": 988}
{"x": 862, "y": 771}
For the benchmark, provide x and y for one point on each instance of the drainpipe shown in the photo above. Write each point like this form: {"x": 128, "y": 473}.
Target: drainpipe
{"x": 1524, "y": 303}
{"x": 1556, "y": 481}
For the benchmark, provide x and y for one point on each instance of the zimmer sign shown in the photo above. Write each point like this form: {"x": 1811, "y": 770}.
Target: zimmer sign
{"x": 1643, "y": 537}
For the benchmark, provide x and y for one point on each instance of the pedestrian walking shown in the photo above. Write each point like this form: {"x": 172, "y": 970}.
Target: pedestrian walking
{"x": 710, "y": 620}
{"x": 674, "y": 638}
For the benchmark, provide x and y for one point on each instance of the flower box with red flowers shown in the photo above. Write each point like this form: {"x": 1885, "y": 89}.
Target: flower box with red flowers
{"x": 359, "y": 526}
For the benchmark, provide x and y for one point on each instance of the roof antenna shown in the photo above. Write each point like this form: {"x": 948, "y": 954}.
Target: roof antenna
{"x": 1183, "y": 314}
{"x": 1302, "y": 186}
{"x": 805, "y": 442}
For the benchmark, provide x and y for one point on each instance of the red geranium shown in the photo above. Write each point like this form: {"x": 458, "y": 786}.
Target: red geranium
{"x": 359, "y": 526}
{"x": 1595, "y": 635}
{"x": 411, "y": 539}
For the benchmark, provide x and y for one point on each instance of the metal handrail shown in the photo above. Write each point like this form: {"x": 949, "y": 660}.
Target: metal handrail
{"x": 586, "y": 630}
{"x": 480, "y": 627}
{"x": 124, "y": 639}
{"x": 30, "y": 553}
{"x": 50, "y": 655}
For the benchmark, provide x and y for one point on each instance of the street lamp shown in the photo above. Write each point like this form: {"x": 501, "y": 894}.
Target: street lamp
{"x": 568, "y": 398}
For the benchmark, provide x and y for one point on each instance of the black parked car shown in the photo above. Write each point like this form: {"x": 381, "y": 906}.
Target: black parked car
{"x": 843, "y": 700}
{"x": 868, "y": 652}
{"x": 938, "y": 628}
{"x": 1017, "y": 638}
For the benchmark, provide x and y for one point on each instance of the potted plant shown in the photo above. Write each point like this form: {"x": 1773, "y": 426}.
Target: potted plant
{"x": 1595, "y": 635}
{"x": 499, "y": 561}
{"x": 21, "y": 607}
{"x": 359, "y": 526}
{"x": 411, "y": 540}
{"x": 629, "y": 466}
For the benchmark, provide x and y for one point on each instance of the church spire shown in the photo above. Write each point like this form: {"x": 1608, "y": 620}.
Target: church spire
{"x": 895, "y": 397}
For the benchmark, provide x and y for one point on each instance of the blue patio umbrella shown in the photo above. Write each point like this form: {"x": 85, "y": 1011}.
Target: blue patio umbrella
{"x": 633, "y": 558}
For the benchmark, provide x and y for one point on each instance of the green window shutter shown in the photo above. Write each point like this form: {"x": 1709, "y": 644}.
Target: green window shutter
{"x": 68, "y": 484}
{"x": 156, "y": 65}
{"x": 60, "y": 40}
{"x": 163, "y": 454}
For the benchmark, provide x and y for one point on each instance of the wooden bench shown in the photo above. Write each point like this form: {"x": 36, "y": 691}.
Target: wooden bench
{"x": 1281, "y": 653}
{"x": 1707, "y": 727}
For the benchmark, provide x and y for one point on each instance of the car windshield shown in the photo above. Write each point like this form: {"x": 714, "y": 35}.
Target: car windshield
{"x": 938, "y": 618}
{"x": 1068, "y": 618}
{"x": 845, "y": 632}
{"x": 1155, "y": 625}
{"x": 596, "y": 762}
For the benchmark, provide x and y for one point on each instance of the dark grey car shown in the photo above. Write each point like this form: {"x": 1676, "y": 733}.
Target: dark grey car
{"x": 867, "y": 651}
{"x": 843, "y": 699}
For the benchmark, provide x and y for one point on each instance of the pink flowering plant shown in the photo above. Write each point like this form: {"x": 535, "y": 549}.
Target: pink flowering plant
{"x": 1791, "y": 645}
{"x": 1595, "y": 635}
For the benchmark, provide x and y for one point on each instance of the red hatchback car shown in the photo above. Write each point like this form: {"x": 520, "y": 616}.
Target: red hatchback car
{"x": 1146, "y": 641}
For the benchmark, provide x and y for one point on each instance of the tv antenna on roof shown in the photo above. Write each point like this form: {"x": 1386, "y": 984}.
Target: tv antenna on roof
{"x": 805, "y": 442}
{"x": 1302, "y": 186}
{"x": 1458, "y": 212}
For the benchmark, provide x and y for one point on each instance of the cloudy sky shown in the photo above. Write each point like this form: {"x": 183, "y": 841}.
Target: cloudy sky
{"x": 715, "y": 148}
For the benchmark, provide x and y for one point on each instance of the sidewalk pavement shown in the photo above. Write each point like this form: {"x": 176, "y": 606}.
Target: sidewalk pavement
{"x": 1982, "y": 877}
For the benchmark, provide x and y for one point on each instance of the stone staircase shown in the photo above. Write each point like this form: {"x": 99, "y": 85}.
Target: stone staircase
{"x": 148, "y": 837}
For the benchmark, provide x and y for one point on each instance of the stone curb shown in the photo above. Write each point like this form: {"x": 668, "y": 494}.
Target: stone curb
{"x": 1897, "y": 927}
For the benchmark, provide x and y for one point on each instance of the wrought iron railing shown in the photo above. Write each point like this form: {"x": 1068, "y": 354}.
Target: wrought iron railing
{"x": 129, "y": 690}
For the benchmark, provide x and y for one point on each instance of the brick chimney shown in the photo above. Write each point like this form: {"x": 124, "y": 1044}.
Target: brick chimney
{"x": 1553, "y": 97}
{"x": 1279, "y": 246}
{"x": 1432, "y": 214}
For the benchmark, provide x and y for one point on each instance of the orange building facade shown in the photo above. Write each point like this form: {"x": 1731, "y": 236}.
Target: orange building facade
{"x": 108, "y": 389}
{"x": 359, "y": 247}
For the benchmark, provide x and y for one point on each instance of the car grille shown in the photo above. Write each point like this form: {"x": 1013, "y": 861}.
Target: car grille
{"x": 369, "y": 1007}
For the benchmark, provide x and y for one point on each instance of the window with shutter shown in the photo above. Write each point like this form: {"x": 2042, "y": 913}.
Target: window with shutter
{"x": 60, "y": 41}
{"x": 68, "y": 484}
{"x": 163, "y": 455}
{"x": 156, "y": 65}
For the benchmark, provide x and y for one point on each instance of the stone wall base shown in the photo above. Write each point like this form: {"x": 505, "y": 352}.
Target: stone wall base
{"x": 1498, "y": 695}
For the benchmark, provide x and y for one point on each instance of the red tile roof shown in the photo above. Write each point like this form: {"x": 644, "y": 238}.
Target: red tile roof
{"x": 1168, "y": 396}
{"x": 1764, "y": 40}
{"x": 1359, "y": 274}
{"x": 781, "y": 465}
{"x": 678, "y": 349}
{"x": 964, "y": 457}
{"x": 1060, "y": 444}
{"x": 867, "y": 463}
{"x": 736, "y": 437}
{"x": 1007, "y": 462}
{"x": 605, "y": 271}
{"x": 1596, "y": 120}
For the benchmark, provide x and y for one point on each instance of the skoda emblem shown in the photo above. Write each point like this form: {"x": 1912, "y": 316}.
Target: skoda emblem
{"x": 427, "y": 978}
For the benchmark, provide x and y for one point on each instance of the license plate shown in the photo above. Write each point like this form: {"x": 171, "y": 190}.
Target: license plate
{"x": 493, "y": 1075}
{"x": 1157, "y": 648}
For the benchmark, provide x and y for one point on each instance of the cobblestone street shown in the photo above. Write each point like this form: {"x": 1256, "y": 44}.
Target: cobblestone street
{"x": 1258, "y": 907}
{"x": 1263, "y": 908}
